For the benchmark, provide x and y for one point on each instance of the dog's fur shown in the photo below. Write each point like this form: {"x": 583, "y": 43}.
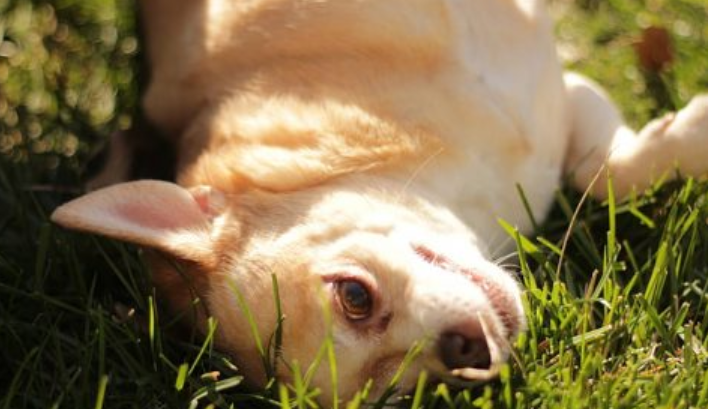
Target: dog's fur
{"x": 369, "y": 141}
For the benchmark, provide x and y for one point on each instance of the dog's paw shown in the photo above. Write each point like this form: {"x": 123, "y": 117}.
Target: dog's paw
{"x": 691, "y": 122}
{"x": 688, "y": 132}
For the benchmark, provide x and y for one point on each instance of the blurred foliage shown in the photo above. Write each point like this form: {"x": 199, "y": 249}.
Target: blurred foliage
{"x": 67, "y": 79}
{"x": 598, "y": 38}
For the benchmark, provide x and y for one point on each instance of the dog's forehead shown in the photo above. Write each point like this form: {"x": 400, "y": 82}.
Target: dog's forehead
{"x": 370, "y": 227}
{"x": 381, "y": 233}
{"x": 379, "y": 210}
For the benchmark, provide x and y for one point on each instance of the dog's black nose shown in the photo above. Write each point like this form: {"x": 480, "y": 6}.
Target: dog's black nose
{"x": 458, "y": 351}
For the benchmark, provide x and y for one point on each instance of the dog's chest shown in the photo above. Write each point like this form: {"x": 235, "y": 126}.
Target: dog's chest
{"x": 500, "y": 112}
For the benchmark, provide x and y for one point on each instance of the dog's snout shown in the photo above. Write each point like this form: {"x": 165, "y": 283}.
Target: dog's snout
{"x": 461, "y": 351}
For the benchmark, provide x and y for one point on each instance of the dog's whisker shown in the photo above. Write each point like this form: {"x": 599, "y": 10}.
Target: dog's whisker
{"x": 508, "y": 266}
{"x": 417, "y": 171}
{"x": 499, "y": 243}
{"x": 506, "y": 257}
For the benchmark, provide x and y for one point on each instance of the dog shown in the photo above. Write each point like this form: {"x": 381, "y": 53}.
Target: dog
{"x": 361, "y": 152}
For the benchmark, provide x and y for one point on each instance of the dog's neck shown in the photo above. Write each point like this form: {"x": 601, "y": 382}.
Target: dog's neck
{"x": 284, "y": 144}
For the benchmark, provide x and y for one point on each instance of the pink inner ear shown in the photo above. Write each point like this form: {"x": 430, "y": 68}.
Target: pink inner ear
{"x": 156, "y": 215}
{"x": 210, "y": 201}
{"x": 203, "y": 202}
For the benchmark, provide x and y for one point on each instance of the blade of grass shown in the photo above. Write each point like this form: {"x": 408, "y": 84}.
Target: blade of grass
{"x": 101, "y": 394}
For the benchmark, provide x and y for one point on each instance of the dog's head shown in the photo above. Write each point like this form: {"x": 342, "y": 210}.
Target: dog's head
{"x": 374, "y": 268}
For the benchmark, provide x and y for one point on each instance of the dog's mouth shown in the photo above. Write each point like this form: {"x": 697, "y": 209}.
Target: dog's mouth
{"x": 502, "y": 301}
{"x": 494, "y": 337}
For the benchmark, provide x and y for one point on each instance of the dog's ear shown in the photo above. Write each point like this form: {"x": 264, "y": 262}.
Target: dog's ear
{"x": 155, "y": 214}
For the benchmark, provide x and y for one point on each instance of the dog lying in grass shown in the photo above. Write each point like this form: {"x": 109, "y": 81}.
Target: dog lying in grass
{"x": 362, "y": 152}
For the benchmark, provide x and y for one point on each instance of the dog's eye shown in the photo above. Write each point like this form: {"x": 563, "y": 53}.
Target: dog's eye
{"x": 355, "y": 299}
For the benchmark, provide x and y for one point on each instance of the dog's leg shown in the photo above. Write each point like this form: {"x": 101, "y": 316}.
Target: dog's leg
{"x": 601, "y": 142}
{"x": 137, "y": 153}
{"x": 117, "y": 166}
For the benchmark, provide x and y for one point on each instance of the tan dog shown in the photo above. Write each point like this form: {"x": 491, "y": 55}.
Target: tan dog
{"x": 362, "y": 151}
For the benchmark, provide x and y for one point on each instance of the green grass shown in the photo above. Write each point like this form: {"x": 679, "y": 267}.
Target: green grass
{"x": 619, "y": 321}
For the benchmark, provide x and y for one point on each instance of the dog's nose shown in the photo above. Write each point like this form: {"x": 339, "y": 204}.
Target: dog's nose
{"x": 460, "y": 351}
